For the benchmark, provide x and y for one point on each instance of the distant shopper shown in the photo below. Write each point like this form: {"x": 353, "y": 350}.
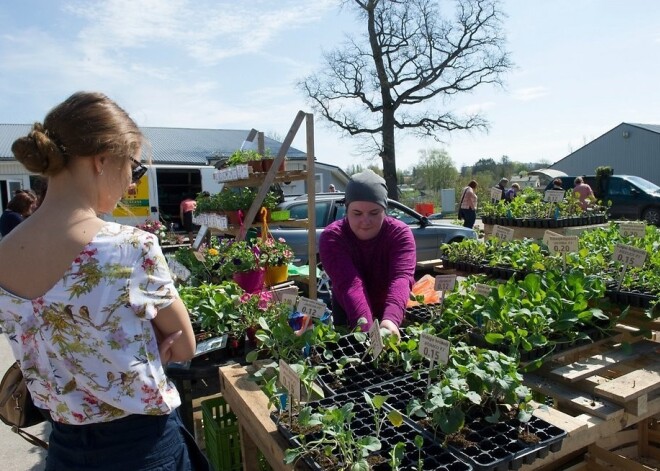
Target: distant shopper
{"x": 502, "y": 186}
{"x": 583, "y": 192}
{"x": 186, "y": 210}
{"x": 369, "y": 257}
{"x": 21, "y": 206}
{"x": 512, "y": 192}
{"x": 331, "y": 188}
{"x": 468, "y": 205}
{"x": 557, "y": 184}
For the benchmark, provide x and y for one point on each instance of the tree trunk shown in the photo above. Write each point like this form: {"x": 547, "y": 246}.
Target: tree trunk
{"x": 389, "y": 156}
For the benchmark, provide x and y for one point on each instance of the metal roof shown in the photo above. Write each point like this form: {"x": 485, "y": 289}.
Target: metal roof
{"x": 171, "y": 145}
{"x": 648, "y": 127}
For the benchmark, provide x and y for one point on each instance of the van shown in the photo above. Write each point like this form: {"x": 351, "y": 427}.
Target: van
{"x": 631, "y": 197}
{"x": 159, "y": 192}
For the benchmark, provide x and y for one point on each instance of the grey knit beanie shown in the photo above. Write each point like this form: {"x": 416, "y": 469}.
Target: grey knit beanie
{"x": 366, "y": 186}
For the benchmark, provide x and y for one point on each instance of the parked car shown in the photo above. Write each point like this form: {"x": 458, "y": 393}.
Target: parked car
{"x": 632, "y": 197}
{"x": 429, "y": 236}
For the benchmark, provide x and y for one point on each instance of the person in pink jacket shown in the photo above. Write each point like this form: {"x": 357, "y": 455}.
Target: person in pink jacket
{"x": 369, "y": 257}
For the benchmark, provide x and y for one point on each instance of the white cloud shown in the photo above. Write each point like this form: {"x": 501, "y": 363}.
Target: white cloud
{"x": 530, "y": 93}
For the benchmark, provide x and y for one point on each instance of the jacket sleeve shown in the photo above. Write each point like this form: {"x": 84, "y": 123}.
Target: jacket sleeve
{"x": 347, "y": 286}
{"x": 401, "y": 277}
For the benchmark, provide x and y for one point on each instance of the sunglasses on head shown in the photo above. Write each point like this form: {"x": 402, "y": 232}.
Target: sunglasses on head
{"x": 138, "y": 170}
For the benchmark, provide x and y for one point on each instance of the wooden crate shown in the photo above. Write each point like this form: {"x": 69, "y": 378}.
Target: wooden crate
{"x": 633, "y": 449}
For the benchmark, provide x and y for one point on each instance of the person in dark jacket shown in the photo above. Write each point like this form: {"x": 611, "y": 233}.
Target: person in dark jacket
{"x": 21, "y": 206}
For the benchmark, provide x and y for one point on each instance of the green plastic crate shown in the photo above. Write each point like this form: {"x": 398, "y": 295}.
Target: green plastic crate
{"x": 223, "y": 444}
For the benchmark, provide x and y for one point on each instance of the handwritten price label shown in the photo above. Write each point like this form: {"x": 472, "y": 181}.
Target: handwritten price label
{"x": 376, "y": 339}
{"x": 445, "y": 282}
{"x": 553, "y": 196}
{"x": 547, "y": 235}
{"x": 628, "y": 255}
{"x": 434, "y": 348}
{"x": 495, "y": 194}
{"x": 483, "y": 289}
{"x": 503, "y": 233}
{"x": 289, "y": 299}
{"x": 562, "y": 244}
{"x": 290, "y": 380}
{"x": 217, "y": 221}
{"x": 634, "y": 229}
{"x": 178, "y": 270}
{"x": 311, "y": 308}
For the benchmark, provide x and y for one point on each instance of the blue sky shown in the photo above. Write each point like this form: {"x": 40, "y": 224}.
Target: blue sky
{"x": 582, "y": 68}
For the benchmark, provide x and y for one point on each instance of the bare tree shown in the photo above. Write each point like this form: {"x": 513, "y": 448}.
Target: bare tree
{"x": 402, "y": 73}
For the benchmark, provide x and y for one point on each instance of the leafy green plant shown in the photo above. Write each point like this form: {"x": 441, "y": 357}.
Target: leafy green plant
{"x": 376, "y": 403}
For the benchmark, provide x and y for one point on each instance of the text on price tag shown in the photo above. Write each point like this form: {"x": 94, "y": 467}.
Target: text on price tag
{"x": 562, "y": 244}
{"x": 434, "y": 348}
{"x": 289, "y": 299}
{"x": 634, "y": 229}
{"x": 289, "y": 380}
{"x": 503, "y": 233}
{"x": 445, "y": 282}
{"x": 547, "y": 235}
{"x": 483, "y": 289}
{"x": 311, "y": 308}
{"x": 376, "y": 339}
{"x": 495, "y": 194}
{"x": 554, "y": 196}
{"x": 629, "y": 255}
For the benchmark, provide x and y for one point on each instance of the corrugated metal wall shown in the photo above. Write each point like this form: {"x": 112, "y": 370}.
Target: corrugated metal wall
{"x": 629, "y": 149}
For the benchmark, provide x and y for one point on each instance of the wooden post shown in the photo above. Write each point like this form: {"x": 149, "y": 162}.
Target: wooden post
{"x": 311, "y": 203}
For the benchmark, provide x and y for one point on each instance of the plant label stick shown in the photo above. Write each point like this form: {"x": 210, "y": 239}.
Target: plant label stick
{"x": 376, "y": 341}
{"x": 633, "y": 229}
{"x": 562, "y": 245}
{"x": 444, "y": 283}
{"x": 200, "y": 237}
{"x": 290, "y": 300}
{"x": 311, "y": 307}
{"x": 290, "y": 381}
{"x": 502, "y": 233}
{"x": 482, "y": 290}
{"x": 178, "y": 270}
{"x": 553, "y": 196}
{"x": 628, "y": 255}
{"x": 435, "y": 349}
{"x": 495, "y": 194}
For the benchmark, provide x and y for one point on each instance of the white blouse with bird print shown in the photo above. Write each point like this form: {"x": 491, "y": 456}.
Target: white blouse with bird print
{"x": 87, "y": 347}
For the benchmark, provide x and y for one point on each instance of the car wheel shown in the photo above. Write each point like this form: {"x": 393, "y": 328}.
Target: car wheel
{"x": 652, "y": 216}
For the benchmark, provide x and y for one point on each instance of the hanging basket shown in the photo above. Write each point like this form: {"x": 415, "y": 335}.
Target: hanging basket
{"x": 276, "y": 274}
{"x": 250, "y": 281}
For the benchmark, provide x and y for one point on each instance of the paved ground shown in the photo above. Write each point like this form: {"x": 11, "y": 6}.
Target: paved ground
{"x": 15, "y": 453}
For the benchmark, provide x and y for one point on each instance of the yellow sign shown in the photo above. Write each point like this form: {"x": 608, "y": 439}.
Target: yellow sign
{"x": 135, "y": 201}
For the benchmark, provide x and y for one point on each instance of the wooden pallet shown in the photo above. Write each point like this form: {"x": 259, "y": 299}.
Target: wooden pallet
{"x": 598, "y": 391}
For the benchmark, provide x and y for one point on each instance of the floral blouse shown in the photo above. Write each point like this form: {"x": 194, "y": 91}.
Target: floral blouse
{"x": 87, "y": 347}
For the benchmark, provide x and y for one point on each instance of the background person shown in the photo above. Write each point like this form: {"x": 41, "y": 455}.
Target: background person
{"x": 512, "y": 192}
{"x": 19, "y": 207}
{"x": 557, "y": 184}
{"x": 89, "y": 307}
{"x": 468, "y": 207}
{"x": 369, "y": 257}
{"x": 331, "y": 188}
{"x": 583, "y": 192}
{"x": 186, "y": 210}
{"x": 502, "y": 187}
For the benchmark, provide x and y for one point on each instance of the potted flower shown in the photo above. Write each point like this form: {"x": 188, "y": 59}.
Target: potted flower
{"x": 155, "y": 227}
{"x": 239, "y": 260}
{"x": 275, "y": 256}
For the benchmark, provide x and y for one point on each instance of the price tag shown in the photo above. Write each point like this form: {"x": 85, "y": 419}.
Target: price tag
{"x": 178, "y": 270}
{"x": 434, "y": 348}
{"x": 483, "y": 289}
{"x": 290, "y": 380}
{"x": 503, "y": 233}
{"x": 445, "y": 282}
{"x": 634, "y": 229}
{"x": 289, "y": 299}
{"x": 562, "y": 244}
{"x": 376, "y": 339}
{"x": 547, "y": 235}
{"x": 495, "y": 194}
{"x": 554, "y": 196}
{"x": 200, "y": 237}
{"x": 242, "y": 171}
{"x": 629, "y": 255}
{"x": 311, "y": 308}
{"x": 218, "y": 221}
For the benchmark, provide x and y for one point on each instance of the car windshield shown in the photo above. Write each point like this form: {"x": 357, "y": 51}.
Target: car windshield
{"x": 644, "y": 184}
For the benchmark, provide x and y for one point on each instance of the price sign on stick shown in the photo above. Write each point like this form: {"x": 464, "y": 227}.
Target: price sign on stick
{"x": 483, "y": 289}
{"x": 311, "y": 308}
{"x": 562, "y": 244}
{"x": 495, "y": 194}
{"x": 178, "y": 270}
{"x": 629, "y": 255}
{"x": 200, "y": 237}
{"x": 290, "y": 380}
{"x": 547, "y": 235}
{"x": 290, "y": 299}
{"x": 445, "y": 282}
{"x": 553, "y": 196}
{"x": 503, "y": 233}
{"x": 376, "y": 339}
{"x": 634, "y": 229}
{"x": 435, "y": 349}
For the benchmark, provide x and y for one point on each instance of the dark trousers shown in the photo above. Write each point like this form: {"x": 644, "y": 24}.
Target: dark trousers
{"x": 469, "y": 216}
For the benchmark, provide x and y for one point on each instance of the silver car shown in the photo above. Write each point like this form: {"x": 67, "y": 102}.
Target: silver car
{"x": 429, "y": 236}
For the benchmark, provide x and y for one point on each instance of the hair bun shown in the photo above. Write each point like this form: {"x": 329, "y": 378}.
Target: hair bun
{"x": 38, "y": 152}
